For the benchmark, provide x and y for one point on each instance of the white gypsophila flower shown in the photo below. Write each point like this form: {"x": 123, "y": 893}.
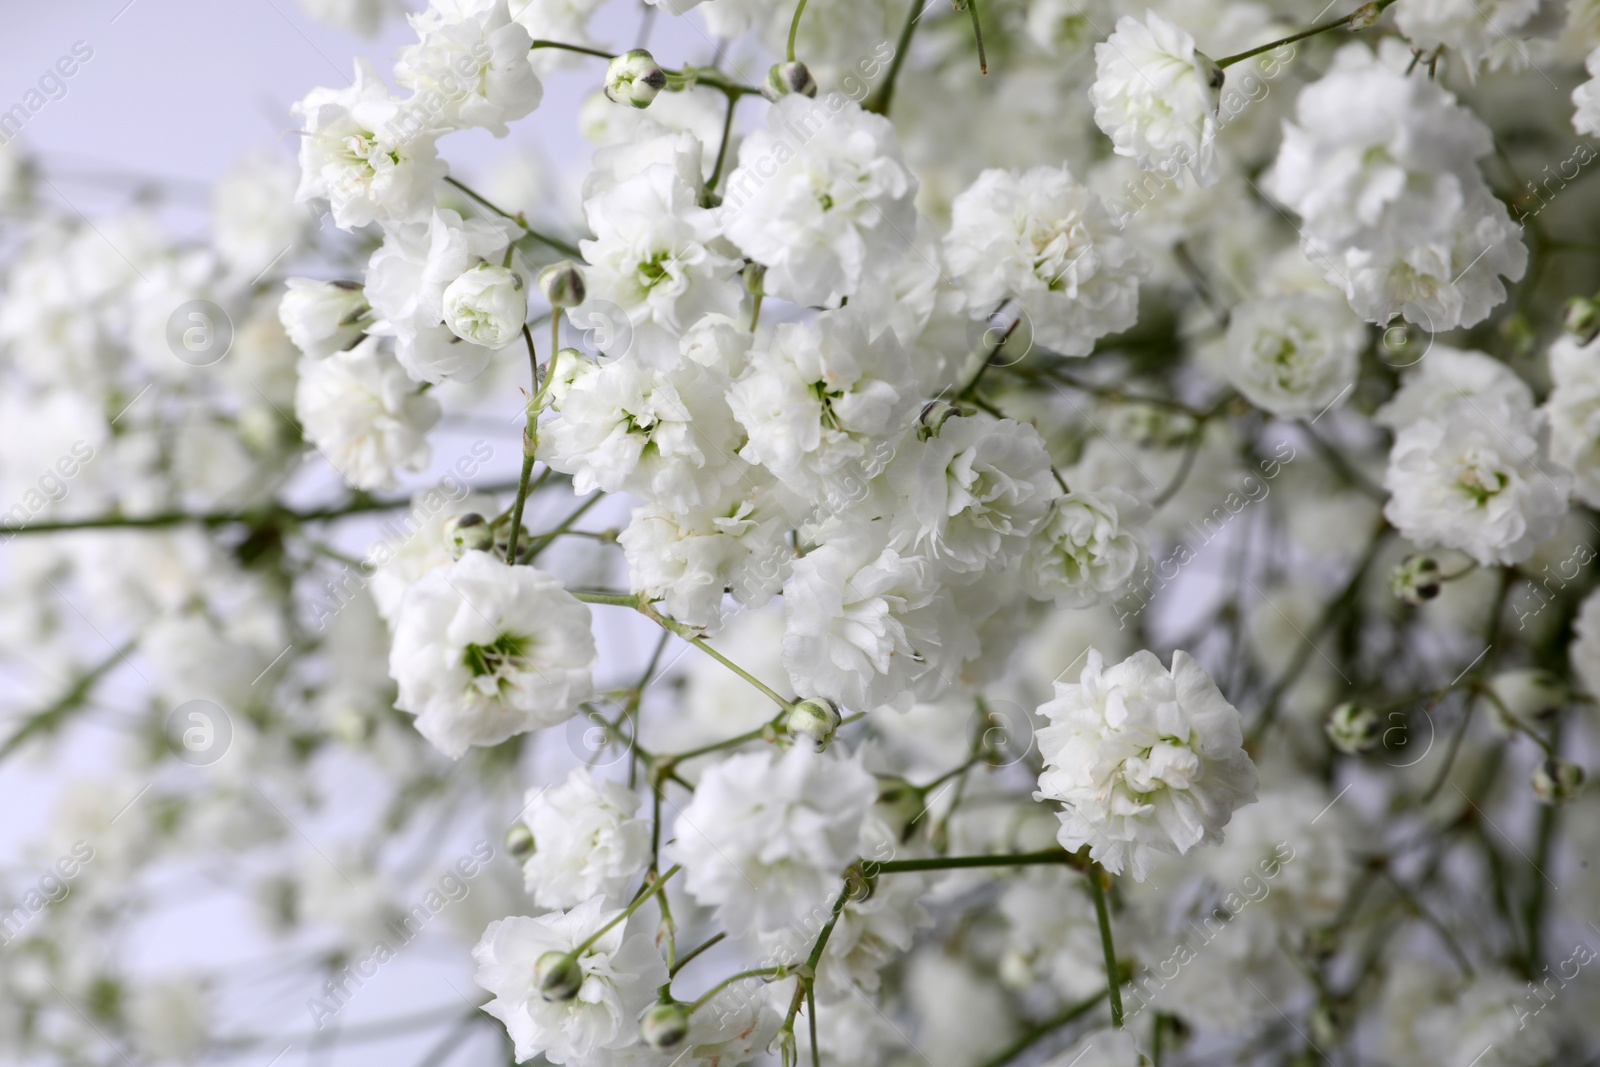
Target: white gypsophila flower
{"x": 361, "y": 411}
{"x": 1383, "y": 170}
{"x": 1051, "y": 934}
{"x": 1474, "y": 477}
{"x": 766, "y": 835}
{"x": 667, "y": 436}
{"x": 1447, "y": 374}
{"x": 469, "y": 67}
{"x": 975, "y": 489}
{"x": 406, "y": 281}
{"x": 255, "y": 218}
{"x": 169, "y": 1019}
{"x": 486, "y": 306}
{"x": 821, "y": 198}
{"x": 1449, "y": 281}
{"x": 357, "y": 153}
{"x": 651, "y": 144}
{"x": 1572, "y": 411}
{"x": 1584, "y": 652}
{"x": 822, "y": 402}
{"x": 1294, "y": 355}
{"x": 1144, "y": 760}
{"x": 1475, "y": 31}
{"x": 322, "y": 318}
{"x": 1046, "y": 242}
{"x": 658, "y": 255}
{"x": 587, "y": 841}
{"x": 1586, "y": 98}
{"x": 1431, "y": 1017}
{"x": 621, "y": 972}
{"x": 1156, "y": 97}
{"x": 857, "y": 625}
{"x": 484, "y": 651}
{"x": 686, "y": 559}
{"x": 1087, "y": 549}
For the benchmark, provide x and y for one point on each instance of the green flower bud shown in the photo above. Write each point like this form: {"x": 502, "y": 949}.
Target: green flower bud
{"x": 468, "y": 533}
{"x": 1353, "y": 728}
{"x": 1557, "y": 781}
{"x": 635, "y": 78}
{"x": 817, "y": 719}
{"x": 664, "y": 1026}
{"x": 1416, "y": 579}
{"x": 562, "y": 284}
{"x": 1582, "y": 318}
{"x": 786, "y": 78}
{"x": 519, "y": 841}
{"x": 558, "y": 976}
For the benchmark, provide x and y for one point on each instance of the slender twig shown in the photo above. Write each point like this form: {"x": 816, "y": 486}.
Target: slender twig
{"x": 1097, "y": 880}
{"x": 1376, "y": 9}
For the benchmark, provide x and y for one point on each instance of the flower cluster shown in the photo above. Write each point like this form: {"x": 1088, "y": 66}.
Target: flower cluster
{"x": 1039, "y": 532}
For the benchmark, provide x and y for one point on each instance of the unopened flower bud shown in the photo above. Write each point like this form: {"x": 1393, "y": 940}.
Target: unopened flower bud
{"x": 755, "y": 278}
{"x": 558, "y": 976}
{"x": 487, "y": 305}
{"x": 1582, "y": 318}
{"x": 934, "y": 414}
{"x": 468, "y": 533}
{"x": 1557, "y": 781}
{"x": 1364, "y": 16}
{"x": 635, "y": 78}
{"x": 786, "y": 78}
{"x": 519, "y": 841}
{"x": 816, "y": 719}
{"x": 1416, "y": 579}
{"x": 1352, "y": 728}
{"x": 562, "y": 284}
{"x": 665, "y": 1025}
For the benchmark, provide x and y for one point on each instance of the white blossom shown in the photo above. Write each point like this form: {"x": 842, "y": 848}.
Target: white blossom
{"x": 1143, "y": 760}
{"x": 1294, "y": 356}
{"x": 1474, "y": 477}
{"x": 766, "y": 837}
{"x": 357, "y": 152}
{"x": 1156, "y": 97}
{"x": 483, "y": 651}
{"x": 1042, "y": 240}
{"x": 487, "y": 306}
{"x": 469, "y": 67}
{"x": 621, "y": 972}
{"x": 361, "y": 411}
{"x": 587, "y": 841}
{"x": 1087, "y": 549}
{"x": 821, "y": 198}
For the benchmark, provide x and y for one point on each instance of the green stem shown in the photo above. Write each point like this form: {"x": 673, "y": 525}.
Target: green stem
{"x": 977, "y": 33}
{"x": 1052, "y": 857}
{"x": 705, "y": 998}
{"x": 794, "y": 27}
{"x": 683, "y": 961}
{"x": 530, "y": 442}
{"x": 51, "y": 718}
{"x": 580, "y": 49}
{"x": 722, "y": 150}
{"x": 1043, "y": 1030}
{"x": 564, "y": 247}
{"x": 884, "y": 97}
{"x": 651, "y": 890}
{"x": 211, "y": 520}
{"x": 1324, "y": 27}
{"x": 639, "y": 603}
{"x": 1097, "y": 879}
